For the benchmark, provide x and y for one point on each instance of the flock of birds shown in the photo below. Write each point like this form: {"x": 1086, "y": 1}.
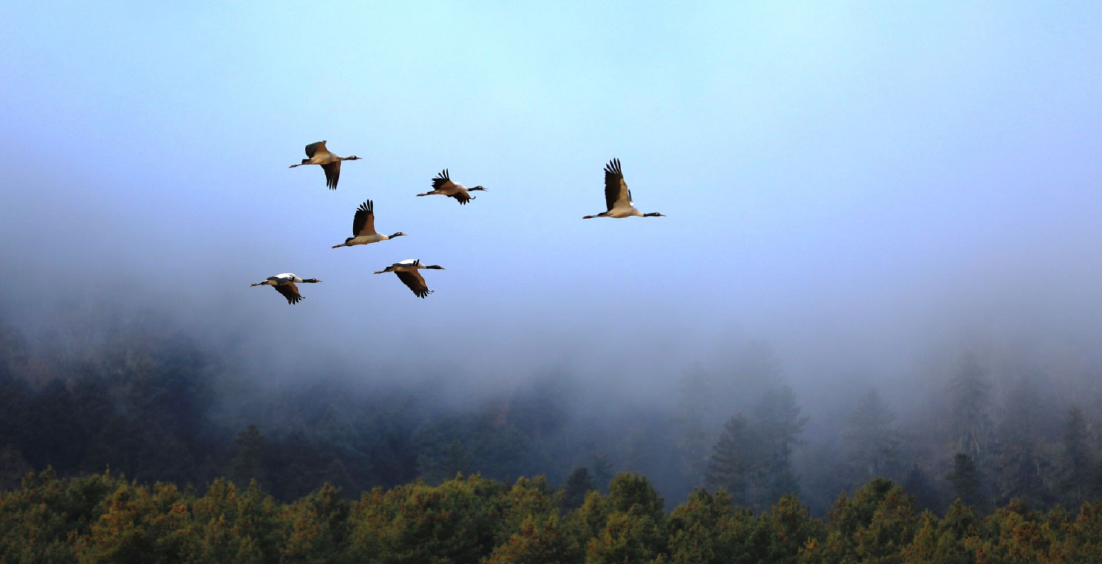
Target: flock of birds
{"x": 618, "y": 202}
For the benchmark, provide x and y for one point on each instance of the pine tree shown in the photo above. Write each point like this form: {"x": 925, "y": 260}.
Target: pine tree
{"x": 248, "y": 463}
{"x": 1020, "y": 468}
{"x": 734, "y": 458}
{"x": 872, "y": 440}
{"x": 778, "y": 427}
{"x": 456, "y": 460}
{"x": 1077, "y": 482}
{"x": 969, "y": 405}
{"x": 602, "y": 472}
{"x": 578, "y": 484}
{"x": 966, "y": 482}
{"x": 917, "y": 484}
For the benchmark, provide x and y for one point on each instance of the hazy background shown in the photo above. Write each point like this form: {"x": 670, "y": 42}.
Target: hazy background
{"x": 868, "y": 188}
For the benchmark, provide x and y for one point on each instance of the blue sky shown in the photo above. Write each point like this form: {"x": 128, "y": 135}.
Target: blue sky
{"x": 842, "y": 172}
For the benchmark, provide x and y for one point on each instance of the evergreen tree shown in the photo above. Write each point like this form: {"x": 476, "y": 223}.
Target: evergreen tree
{"x": 969, "y": 406}
{"x": 456, "y": 460}
{"x": 871, "y": 438}
{"x": 917, "y": 484}
{"x": 778, "y": 427}
{"x": 966, "y": 482}
{"x": 1020, "y": 467}
{"x": 578, "y": 484}
{"x": 734, "y": 459}
{"x": 602, "y": 472}
{"x": 1077, "y": 483}
{"x": 248, "y": 463}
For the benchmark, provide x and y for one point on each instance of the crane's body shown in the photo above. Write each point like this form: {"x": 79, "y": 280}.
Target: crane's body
{"x": 442, "y": 185}
{"x": 363, "y": 228}
{"x": 285, "y": 284}
{"x": 618, "y": 196}
{"x": 407, "y": 272}
{"x": 317, "y": 154}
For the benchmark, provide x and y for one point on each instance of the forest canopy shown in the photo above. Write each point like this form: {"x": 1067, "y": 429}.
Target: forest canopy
{"x": 103, "y": 518}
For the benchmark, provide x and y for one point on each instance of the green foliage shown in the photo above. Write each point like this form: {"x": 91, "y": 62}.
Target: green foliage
{"x": 456, "y": 521}
{"x": 873, "y": 526}
{"x": 628, "y": 525}
{"x": 38, "y": 521}
{"x": 753, "y": 460}
{"x": 315, "y": 528}
{"x": 625, "y": 538}
{"x": 527, "y": 498}
{"x": 538, "y": 540}
{"x": 102, "y": 519}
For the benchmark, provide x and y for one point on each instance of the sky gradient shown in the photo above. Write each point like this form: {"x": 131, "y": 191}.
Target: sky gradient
{"x": 840, "y": 178}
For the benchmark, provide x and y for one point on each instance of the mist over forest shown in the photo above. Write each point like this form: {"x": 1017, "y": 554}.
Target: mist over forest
{"x": 92, "y": 383}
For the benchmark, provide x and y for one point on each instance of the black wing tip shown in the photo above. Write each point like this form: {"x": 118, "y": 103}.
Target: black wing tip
{"x": 368, "y": 206}
{"x": 613, "y": 167}
{"x": 442, "y": 175}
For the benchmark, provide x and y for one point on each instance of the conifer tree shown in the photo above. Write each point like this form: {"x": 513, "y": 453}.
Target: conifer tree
{"x": 966, "y": 482}
{"x": 734, "y": 460}
{"x": 248, "y": 463}
{"x": 969, "y": 405}
{"x": 1077, "y": 480}
{"x": 778, "y": 426}
{"x": 578, "y": 484}
{"x": 1020, "y": 468}
{"x": 872, "y": 440}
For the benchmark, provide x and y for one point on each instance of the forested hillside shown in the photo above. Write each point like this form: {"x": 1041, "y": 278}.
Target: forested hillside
{"x": 101, "y": 518}
{"x": 132, "y": 393}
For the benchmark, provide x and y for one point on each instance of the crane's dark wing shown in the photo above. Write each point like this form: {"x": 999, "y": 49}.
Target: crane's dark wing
{"x": 615, "y": 187}
{"x": 332, "y": 174}
{"x": 461, "y": 196}
{"x": 442, "y": 180}
{"x": 289, "y": 291}
{"x": 313, "y": 148}
{"x": 364, "y": 222}
{"x": 414, "y": 281}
